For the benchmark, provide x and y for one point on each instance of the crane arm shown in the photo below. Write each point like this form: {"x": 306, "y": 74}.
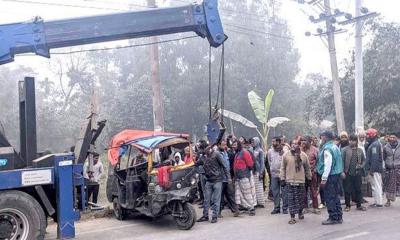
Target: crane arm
{"x": 39, "y": 37}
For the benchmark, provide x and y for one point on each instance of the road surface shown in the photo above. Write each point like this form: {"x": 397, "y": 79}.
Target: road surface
{"x": 373, "y": 224}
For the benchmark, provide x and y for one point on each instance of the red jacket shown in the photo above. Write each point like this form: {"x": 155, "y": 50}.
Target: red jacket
{"x": 243, "y": 160}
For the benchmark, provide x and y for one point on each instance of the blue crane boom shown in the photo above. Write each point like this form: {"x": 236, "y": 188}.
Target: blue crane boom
{"x": 39, "y": 37}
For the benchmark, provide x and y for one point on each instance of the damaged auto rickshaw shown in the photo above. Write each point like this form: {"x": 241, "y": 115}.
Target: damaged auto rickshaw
{"x": 144, "y": 176}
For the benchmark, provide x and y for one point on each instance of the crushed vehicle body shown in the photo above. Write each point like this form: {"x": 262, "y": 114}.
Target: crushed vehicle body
{"x": 148, "y": 175}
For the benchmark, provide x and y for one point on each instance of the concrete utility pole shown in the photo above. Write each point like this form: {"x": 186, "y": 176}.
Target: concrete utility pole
{"x": 359, "y": 70}
{"x": 158, "y": 106}
{"x": 337, "y": 95}
{"x": 361, "y": 15}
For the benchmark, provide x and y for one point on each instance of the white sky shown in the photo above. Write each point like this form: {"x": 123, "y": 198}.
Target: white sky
{"x": 314, "y": 54}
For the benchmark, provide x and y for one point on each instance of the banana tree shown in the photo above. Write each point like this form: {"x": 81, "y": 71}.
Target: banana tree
{"x": 261, "y": 110}
{"x": 272, "y": 123}
{"x": 237, "y": 118}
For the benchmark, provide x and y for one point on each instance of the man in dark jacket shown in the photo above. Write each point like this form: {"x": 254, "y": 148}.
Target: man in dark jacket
{"x": 353, "y": 161}
{"x": 391, "y": 155}
{"x": 228, "y": 189}
{"x": 215, "y": 173}
{"x": 374, "y": 166}
{"x": 201, "y": 155}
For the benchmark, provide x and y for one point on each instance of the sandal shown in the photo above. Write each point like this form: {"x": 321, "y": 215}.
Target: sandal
{"x": 292, "y": 221}
{"x": 316, "y": 211}
{"x": 362, "y": 208}
{"x": 347, "y": 209}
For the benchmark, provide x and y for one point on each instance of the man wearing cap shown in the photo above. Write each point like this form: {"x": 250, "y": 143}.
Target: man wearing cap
{"x": 391, "y": 156}
{"x": 361, "y": 139}
{"x": 344, "y": 140}
{"x": 374, "y": 166}
{"x": 330, "y": 167}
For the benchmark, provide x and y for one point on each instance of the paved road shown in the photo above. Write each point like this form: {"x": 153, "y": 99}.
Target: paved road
{"x": 374, "y": 224}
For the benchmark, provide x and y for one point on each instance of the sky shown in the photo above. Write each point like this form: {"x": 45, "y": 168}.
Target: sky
{"x": 314, "y": 54}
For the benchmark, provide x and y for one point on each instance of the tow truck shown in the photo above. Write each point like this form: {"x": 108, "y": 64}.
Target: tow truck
{"x": 33, "y": 188}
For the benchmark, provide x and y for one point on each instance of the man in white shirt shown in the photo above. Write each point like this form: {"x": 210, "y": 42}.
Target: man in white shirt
{"x": 93, "y": 177}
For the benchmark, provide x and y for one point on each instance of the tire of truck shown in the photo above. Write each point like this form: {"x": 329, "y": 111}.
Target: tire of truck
{"x": 118, "y": 211}
{"x": 21, "y": 216}
{"x": 188, "y": 218}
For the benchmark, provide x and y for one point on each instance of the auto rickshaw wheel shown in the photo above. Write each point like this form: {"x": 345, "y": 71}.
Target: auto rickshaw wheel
{"x": 119, "y": 211}
{"x": 188, "y": 217}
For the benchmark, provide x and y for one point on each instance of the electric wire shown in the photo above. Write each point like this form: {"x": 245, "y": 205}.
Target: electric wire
{"x": 130, "y": 4}
{"x": 122, "y": 47}
{"x": 257, "y": 31}
{"x": 119, "y": 9}
{"x": 117, "y": 3}
{"x": 62, "y": 5}
{"x": 221, "y": 9}
{"x": 231, "y": 11}
{"x": 246, "y": 33}
{"x": 226, "y": 9}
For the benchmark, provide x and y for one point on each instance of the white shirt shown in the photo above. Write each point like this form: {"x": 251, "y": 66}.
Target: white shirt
{"x": 327, "y": 165}
{"x": 98, "y": 171}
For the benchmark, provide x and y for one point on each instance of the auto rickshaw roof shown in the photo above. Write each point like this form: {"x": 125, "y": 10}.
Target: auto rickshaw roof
{"x": 145, "y": 141}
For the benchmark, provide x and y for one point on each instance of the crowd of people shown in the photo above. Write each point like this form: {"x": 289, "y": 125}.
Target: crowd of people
{"x": 303, "y": 175}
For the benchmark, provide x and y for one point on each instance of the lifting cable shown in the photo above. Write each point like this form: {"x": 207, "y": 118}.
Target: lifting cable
{"x": 221, "y": 84}
{"x": 216, "y": 127}
{"x": 209, "y": 80}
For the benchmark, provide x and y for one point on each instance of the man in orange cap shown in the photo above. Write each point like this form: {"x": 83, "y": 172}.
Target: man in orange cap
{"x": 374, "y": 165}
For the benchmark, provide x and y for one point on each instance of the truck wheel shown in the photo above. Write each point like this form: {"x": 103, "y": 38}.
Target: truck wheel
{"x": 188, "y": 218}
{"x": 119, "y": 211}
{"x": 21, "y": 216}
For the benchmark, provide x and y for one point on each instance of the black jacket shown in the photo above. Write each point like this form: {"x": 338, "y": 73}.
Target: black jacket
{"x": 214, "y": 168}
{"x": 374, "y": 158}
{"x": 231, "y": 156}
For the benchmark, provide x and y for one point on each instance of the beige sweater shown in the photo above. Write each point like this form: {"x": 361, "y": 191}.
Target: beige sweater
{"x": 288, "y": 169}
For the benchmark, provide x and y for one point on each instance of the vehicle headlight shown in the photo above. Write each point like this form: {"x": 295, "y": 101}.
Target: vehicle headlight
{"x": 178, "y": 186}
{"x": 193, "y": 181}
